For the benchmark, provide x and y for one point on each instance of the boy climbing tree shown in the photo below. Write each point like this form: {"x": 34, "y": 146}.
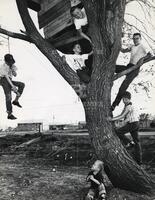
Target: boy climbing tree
{"x": 139, "y": 53}
{"x": 7, "y": 71}
{"x": 131, "y": 119}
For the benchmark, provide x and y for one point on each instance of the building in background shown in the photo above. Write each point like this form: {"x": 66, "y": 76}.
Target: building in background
{"x": 30, "y": 126}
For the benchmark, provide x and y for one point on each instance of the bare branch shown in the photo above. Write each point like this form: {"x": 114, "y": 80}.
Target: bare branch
{"x": 145, "y": 2}
{"x": 44, "y": 46}
{"x": 140, "y": 31}
{"x": 141, "y": 22}
{"x": 16, "y": 35}
{"x": 131, "y": 69}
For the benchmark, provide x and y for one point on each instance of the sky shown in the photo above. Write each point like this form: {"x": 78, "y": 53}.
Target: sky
{"x": 47, "y": 97}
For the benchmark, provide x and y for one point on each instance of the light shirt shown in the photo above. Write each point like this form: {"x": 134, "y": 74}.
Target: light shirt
{"x": 138, "y": 52}
{"x": 76, "y": 61}
{"x": 5, "y": 70}
{"x": 132, "y": 114}
{"x": 81, "y": 22}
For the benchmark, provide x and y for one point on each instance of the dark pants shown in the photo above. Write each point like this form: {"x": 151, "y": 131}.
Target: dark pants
{"x": 96, "y": 192}
{"x": 125, "y": 84}
{"x": 83, "y": 74}
{"x": 133, "y": 129}
{"x": 7, "y": 91}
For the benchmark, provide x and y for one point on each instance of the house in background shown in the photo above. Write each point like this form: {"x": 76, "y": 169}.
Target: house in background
{"x": 63, "y": 127}
{"x": 30, "y": 126}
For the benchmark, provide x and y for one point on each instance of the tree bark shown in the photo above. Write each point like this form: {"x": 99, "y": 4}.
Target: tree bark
{"x": 44, "y": 46}
{"x": 121, "y": 169}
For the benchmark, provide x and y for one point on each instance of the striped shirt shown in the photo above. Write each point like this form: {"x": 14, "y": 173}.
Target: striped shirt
{"x": 132, "y": 115}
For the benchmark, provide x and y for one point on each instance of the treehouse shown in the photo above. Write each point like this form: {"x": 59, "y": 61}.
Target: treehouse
{"x": 55, "y": 19}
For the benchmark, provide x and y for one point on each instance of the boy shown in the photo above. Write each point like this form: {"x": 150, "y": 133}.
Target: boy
{"x": 139, "y": 53}
{"x": 95, "y": 178}
{"x": 131, "y": 119}
{"x": 77, "y": 62}
{"x": 7, "y": 71}
{"x": 80, "y": 21}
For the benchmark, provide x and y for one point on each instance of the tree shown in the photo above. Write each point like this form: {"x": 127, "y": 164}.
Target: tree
{"x": 106, "y": 18}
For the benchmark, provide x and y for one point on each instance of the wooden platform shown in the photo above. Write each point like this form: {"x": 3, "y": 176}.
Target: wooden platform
{"x": 55, "y": 19}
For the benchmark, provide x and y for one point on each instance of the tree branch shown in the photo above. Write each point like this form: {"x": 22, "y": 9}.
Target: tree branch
{"x": 145, "y": 2}
{"x": 45, "y": 47}
{"x": 131, "y": 25}
{"x": 131, "y": 69}
{"x": 16, "y": 35}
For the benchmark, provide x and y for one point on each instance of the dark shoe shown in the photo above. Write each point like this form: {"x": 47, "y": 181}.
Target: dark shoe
{"x": 11, "y": 116}
{"x": 16, "y": 103}
{"x": 112, "y": 108}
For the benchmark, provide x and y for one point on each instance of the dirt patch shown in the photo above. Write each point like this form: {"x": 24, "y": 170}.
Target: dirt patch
{"x": 33, "y": 173}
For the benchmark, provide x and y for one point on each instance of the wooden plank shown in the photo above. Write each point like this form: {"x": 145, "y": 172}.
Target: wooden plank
{"x": 34, "y": 5}
{"x": 58, "y": 24}
{"x": 53, "y": 13}
{"x": 75, "y": 2}
{"x": 66, "y": 41}
{"x": 48, "y": 4}
{"x": 66, "y": 38}
{"x": 32, "y": 141}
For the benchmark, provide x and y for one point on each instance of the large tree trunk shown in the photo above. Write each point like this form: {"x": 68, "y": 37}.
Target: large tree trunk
{"x": 121, "y": 169}
{"x": 105, "y": 29}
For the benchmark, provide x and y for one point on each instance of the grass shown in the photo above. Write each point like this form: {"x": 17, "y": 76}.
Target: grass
{"x": 28, "y": 174}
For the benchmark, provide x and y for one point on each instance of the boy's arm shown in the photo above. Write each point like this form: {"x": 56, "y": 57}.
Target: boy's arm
{"x": 126, "y": 50}
{"x": 84, "y": 35}
{"x": 94, "y": 180}
{"x": 14, "y": 70}
{"x": 122, "y": 115}
{"x": 11, "y": 84}
{"x": 141, "y": 60}
{"x": 89, "y": 54}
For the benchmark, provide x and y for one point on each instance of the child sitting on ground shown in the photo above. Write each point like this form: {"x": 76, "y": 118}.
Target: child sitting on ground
{"x": 95, "y": 177}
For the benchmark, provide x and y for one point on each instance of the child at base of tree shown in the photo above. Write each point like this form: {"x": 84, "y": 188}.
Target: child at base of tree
{"x": 95, "y": 177}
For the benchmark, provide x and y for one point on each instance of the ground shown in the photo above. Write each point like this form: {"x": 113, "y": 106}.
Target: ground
{"x": 36, "y": 173}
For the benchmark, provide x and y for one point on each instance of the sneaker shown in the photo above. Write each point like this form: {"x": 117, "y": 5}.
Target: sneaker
{"x": 103, "y": 197}
{"x": 16, "y": 103}
{"x": 11, "y": 116}
{"x": 130, "y": 145}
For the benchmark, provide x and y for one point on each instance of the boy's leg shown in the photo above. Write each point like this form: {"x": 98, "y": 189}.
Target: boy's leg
{"x": 121, "y": 133}
{"x": 20, "y": 87}
{"x": 8, "y": 97}
{"x": 124, "y": 86}
{"x": 102, "y": 191}
{"x": 135, "y": 136}
{"x": 120, "y": 68}
{"x": 91, "y": 194}
{"x": 84, "y": 77}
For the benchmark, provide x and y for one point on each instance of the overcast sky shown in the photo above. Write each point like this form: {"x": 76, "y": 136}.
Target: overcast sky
{"x": 47, "y": 97}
